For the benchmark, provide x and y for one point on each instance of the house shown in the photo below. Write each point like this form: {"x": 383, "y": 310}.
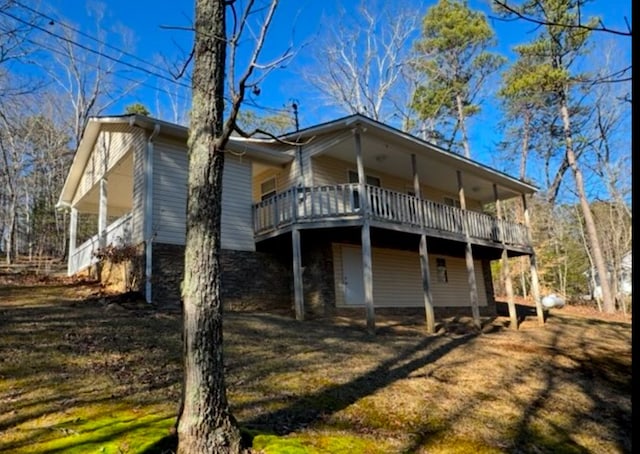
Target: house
{"x": 349, "y": 213}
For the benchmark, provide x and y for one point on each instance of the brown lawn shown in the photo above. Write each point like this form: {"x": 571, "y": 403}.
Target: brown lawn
{"x": 81, "y": 371}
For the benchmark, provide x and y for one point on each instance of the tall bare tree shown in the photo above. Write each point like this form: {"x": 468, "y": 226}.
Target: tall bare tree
{"x": 205, "y": 421}
{"x": 365, "y": 61}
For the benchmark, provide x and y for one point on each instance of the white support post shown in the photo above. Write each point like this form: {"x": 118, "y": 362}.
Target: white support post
{"x": 297, "y": 274}
{"x": 506, "y": 275}
{"x": 535, "y": 283}
{"x": 424, "y": 257}
{"x": 73, "y": 237}
{"x": 102, "y": 214}
{"x": 367, "y": 266}
{"x": 468, "y": 255}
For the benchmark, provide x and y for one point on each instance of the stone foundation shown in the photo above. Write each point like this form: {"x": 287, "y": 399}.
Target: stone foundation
{"x": 317, "y": 279}
{"x": 250, "y": 280}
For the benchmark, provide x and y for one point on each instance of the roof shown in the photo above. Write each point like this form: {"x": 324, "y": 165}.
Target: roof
{"x": 427, "y": 147}
{"x": 257, "y": 149}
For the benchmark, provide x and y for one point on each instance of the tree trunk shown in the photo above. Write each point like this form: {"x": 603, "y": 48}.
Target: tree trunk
{"x": 463, "y": 129}
{"x": 205, "y": 424}
{"x": 594, "y": 242}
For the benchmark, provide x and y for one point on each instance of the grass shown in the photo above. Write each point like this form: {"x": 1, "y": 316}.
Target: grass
{"x": 80, "y": 372}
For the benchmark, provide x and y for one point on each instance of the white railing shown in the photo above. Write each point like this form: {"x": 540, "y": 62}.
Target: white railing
{"x": 343, "y": 200}
{"x": 83, "y": 256}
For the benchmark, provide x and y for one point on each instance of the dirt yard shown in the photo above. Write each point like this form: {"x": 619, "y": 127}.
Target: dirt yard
{"x": 81, "y": 371}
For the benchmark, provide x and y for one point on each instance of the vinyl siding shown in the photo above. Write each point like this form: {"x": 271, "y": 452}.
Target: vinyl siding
{"x": 170, "y": 170}
{"x": 397, "y": 279}
{"x": 139, "y": 153}
{"x": 237, "y": 215}
{"x": 285, "y": 178}
{"x": 170, "y": 198}
{"x": 328, "y": 170}
{"x": 110, "y": 147}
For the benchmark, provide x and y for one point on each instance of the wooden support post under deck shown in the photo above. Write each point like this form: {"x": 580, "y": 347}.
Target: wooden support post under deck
{"x": 468, "y": 255}
{"x": 506, "y": 275}
{"x": 298, "y": 293}
{"x": 367, "y": 267}
{"x": 535, "y": 284}
{"x": 102, "y": 214}
{"x": 424, "y": 257}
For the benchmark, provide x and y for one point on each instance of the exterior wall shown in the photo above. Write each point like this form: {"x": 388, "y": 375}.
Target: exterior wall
{"x": 285, "y": 178}
{"x": 328, "y": 170}
{"x": 112, "y": 144}
{"x": 250, "y": 280}
{"x": 237, "y": 208}
{"x": 137, "y": 220}
{"x": 397, "y": 279}
{"x": 170, "y": 170}
{"x": 317, "y": 277}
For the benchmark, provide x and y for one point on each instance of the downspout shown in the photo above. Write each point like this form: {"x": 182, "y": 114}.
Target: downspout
{"x": 148, "y": 212}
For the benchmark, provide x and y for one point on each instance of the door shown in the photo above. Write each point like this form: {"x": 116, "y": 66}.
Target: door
{"x": 352, "y": 276}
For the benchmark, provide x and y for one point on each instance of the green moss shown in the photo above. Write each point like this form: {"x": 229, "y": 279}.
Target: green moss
{"x": 317, "y": 444}
{"x": 115, "y": 431}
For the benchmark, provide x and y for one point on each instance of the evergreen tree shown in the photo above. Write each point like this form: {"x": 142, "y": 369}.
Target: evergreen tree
{"x": 453, "y": 55}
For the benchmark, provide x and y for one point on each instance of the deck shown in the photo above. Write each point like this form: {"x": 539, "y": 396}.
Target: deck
{"x": 336, "y": 205}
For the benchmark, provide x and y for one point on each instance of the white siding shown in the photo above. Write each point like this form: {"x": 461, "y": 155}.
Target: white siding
{"x": 170, "y": 170}
{"x": 111, "y": 145}
{"x": 170, "y": 164}
{"x": 139, "y": 154}
{"x": 328, "y": 170}
{"x": 397, "y": 280}
{"x": 237, "y": 216}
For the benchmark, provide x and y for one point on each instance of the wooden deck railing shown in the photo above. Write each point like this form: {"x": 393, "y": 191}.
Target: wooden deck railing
{"x": 342, "y": 201}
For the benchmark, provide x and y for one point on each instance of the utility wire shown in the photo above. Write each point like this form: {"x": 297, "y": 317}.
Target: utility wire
{"x": 115, "y": 73}
{"x": 91, "y": 37}
{"x": 89, "y": 49}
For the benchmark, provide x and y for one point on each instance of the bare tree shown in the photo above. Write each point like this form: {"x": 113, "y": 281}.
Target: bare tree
{"x": 365, "y": 61}
{"x": 205, "y": 423}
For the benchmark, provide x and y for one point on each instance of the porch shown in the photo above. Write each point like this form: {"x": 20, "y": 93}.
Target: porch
{"x": 118, "y": 232}
{"x": 339, "y": 205}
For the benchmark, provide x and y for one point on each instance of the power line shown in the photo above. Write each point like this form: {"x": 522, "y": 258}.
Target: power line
{"x": 87, "y": 35}
{"x": 89, "y": 49}
{"x": 116, "y": 74}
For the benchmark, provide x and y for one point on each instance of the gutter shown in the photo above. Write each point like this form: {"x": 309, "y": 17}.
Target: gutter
{"x": 148, "y": 212}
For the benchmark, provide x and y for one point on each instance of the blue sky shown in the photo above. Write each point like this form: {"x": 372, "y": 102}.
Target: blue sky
{"x": 297, "y": 23}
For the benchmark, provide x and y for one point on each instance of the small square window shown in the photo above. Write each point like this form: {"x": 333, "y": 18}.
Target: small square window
{"x": 441, "y": 268}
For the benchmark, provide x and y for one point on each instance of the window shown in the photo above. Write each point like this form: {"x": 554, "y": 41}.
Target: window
{"x": 355, "y": 195}
{"x": 441, "y": 268}
{"x": 452, "y": 202}
{"x": 268, "y": 188}
{"x": 370, "y": 180}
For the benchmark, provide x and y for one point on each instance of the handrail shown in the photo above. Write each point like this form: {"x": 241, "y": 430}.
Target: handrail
{"x": 298, "y": 204}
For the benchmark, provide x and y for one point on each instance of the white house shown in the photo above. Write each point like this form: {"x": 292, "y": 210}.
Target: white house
{"x": 357, "y": 214}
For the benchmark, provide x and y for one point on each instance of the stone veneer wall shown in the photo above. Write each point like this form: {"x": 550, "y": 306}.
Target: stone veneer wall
{"x": 250, "y": 280}
{"x": 488, "y": 286}
{"x": 317, "y": 278}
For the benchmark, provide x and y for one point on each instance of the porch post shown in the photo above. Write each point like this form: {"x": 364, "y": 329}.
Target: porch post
{"x": 367, "y": 267}
{"x": 102, "y": 214}
{"x": 297, "y": 274}
{"x": 468, "y": 255}
{"x": 424, "y": 255}
{"x": 506, "y": 276}
{"x": 73, "y": 235}
{"x": 535, "y": 284}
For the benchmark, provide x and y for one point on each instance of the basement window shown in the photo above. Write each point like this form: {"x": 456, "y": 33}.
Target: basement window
{"x": 441, "y": 268}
